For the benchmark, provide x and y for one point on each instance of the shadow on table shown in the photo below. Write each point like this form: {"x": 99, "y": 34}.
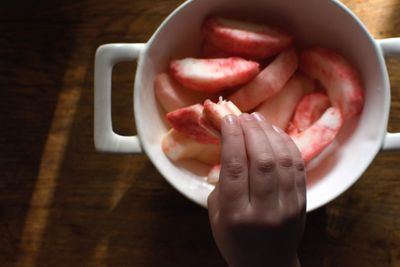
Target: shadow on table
{"x": 36, "y": 43}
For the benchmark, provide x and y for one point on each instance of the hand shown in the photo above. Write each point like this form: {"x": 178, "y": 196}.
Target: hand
{"x": 257, "y": 210}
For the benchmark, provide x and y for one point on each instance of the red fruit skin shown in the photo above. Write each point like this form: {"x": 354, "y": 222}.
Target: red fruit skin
{"x": 255, "y": 42}
{"x": 319, "y": 135}
{"x": 267, "y": 83}
{"x": 309, "y": 109}
{"x": 213, "y": 75}
{"x": 178, "y": 146}
{"x": 187, "y": 121}
{"x": 341, "y": 80}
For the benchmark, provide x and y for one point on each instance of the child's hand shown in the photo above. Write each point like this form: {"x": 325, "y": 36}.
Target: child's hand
{"x": 257, "y": 210}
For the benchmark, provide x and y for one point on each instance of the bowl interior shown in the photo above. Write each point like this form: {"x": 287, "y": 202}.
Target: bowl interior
{"x": 313, "y": 22}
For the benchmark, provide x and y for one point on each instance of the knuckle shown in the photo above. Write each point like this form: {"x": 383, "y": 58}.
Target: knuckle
{"x": 285, "y": 160}
{"x": 273, "y": 220}
{"x": 292, "y": 213}
{"x": 236, "y": 220}
{"x": 279, "y": 219}
{"x": 265, "y": 163}
{"x": 300, "y": 166}
{"x": 282, "y": 217}
{"x": 234, "y": 168}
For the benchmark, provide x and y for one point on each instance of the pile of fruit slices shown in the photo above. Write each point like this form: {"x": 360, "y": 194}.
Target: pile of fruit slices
{"x": 308, "y": 93}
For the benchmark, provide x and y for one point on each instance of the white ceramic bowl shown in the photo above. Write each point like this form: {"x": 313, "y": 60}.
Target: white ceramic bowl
{"x": 327, "y": 23}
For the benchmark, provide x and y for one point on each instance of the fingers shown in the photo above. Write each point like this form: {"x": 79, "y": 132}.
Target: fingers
{"x": 233, "y": 184}
{"x": 300, "y": 173}
{"x": 259, "y": 165}
{"x": 286, "y": 158}
{"x": 263, "y": 180}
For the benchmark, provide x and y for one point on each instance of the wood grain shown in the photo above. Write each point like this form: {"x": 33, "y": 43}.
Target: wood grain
{"x": 63, "y": 204}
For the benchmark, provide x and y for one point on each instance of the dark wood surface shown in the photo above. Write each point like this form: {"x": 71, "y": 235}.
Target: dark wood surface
{"x": 63, "y": 204}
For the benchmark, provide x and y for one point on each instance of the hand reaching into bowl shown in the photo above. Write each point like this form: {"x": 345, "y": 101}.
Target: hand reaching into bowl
{"x": 257, "y": 210}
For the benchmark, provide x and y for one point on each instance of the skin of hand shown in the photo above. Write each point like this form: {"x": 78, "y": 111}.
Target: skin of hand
{"x": 257, "y": 210}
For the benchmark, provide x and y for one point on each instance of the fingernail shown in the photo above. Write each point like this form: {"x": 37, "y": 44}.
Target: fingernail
{"x": 246, "y": 117}
{"x": 230, "y": 119}
{"x": 258, "y": 116}
{"x": 277, "y": 129}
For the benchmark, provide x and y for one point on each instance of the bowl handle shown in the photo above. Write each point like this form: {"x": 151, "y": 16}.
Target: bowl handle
{"x": 105, "y": 139}
{"x": 391, "y": 47}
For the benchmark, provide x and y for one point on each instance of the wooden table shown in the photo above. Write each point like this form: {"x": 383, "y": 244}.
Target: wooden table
{"x": 63, "y": 204}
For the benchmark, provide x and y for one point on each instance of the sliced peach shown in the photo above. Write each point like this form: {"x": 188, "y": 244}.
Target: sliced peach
{"x": 279, "y": 109}
{"x": 267, "y": 83}
{"x": 309, "y": 109}
{"x": 177, "y": 147}
{"x": 215, "y": 74}
{"x": 319, "y": 135}
{"x": 245, "y": 39}
{"x": 172, "y": 96}
{"x": 340, "y": 78}
{"x": 188, "y": 122}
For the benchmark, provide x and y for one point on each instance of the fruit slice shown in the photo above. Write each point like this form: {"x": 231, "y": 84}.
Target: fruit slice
{"x": 267, "y": 83}
{"x": 177, "y": 146}
{"x": 215, "y": 112}
{"x": 249, "y": 40}
{"x": 187, "y": 121}
{"x": 213, "y": 75}
{"x": 319, "y": 135}
{"x": 213, "y": 175}
{"x": 309, "y": 109}
{"x": 279, "y": 109}
{"x": 338, "y": 76}
{"x": 172, "y": 96}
